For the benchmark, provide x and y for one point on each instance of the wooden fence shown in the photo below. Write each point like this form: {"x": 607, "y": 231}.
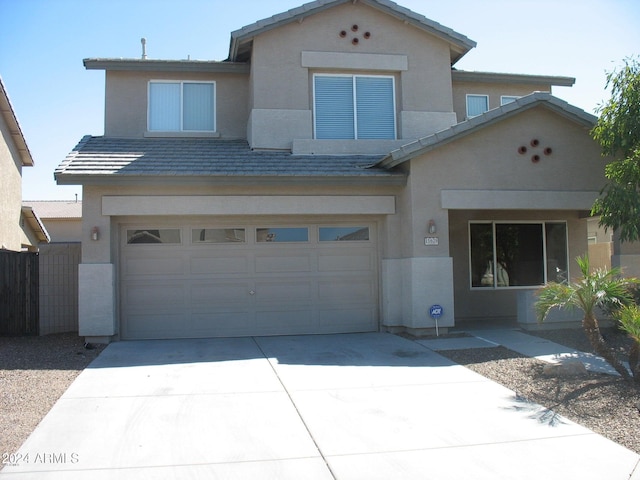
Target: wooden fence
{"x": 19, "y": 298}
{"x": 59, "y": 287}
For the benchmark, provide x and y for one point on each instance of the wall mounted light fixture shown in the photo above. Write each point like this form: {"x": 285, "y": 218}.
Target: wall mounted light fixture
{"x": 431, "y": 227}
{"x": 95, "y": 234}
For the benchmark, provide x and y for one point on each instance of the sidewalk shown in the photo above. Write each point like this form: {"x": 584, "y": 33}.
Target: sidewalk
{"x": 518, "y": 341}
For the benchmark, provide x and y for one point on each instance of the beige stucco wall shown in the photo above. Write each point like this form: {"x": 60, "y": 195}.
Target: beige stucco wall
{"x": 11, "y": 233}
{"x": 626, "y": 255}
{"x": 63, "y": 230}
{"x": 488, "y": 161}
{"x": 493, "y": 90}
{"x": 279, "y": 81}
{"x": 126, "y": 101}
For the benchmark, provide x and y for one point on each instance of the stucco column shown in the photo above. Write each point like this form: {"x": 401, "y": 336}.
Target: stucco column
{"x": 97, "y": 319}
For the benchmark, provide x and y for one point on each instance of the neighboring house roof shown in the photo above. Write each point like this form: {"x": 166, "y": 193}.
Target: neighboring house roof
{"x": 58, "y": 209}
{"x": 107, "y": 160}
{"x": 241, "y": 40}
{"x": 512, "y": 78}
{"x": 35, "y": 224}
{"x": 431, "y": 142}
{"x": 137, "y": 64}
{"x": 7, "y": 111}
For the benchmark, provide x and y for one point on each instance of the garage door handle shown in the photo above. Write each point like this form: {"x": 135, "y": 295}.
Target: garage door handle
{"x": 251, "y": 292}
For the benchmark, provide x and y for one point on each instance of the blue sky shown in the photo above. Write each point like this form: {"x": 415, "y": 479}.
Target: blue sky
{"x": 57, "y": 101}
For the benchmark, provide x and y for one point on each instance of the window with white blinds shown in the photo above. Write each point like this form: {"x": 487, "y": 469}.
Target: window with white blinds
{"x": 477, "y": 105}
{"x": 181, "y": 106}
{"x": 354, "y": 107}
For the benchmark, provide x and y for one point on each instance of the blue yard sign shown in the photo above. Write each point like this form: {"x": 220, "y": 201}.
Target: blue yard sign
{"x": 436, "y": 312}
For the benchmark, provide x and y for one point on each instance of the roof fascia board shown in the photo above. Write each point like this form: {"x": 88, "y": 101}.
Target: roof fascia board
{"x": 159, "y": 180}
{"x": 137, "y": 65}
{"x": 463, "y": 43}
{"x": 9, "y": 115}
{"x": 493, "y": 77}
{"x": 36, "y": 224}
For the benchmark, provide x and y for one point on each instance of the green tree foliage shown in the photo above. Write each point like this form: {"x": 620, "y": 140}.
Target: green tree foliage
{"x": 618, "y": 133}
{"x": 629, "y": 317}
{"x": 602, "y": 288}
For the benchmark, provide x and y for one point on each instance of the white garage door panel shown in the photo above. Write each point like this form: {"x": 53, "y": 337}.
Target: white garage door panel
{"x": 223, "y": 323}
{"x": 212, "y": 295}
{"x": 247, "y": 287}
{"x": 351, "y": 290}
{"x": 283, "y": 263}
{"x": 153, "y": 326}
{"x": 219, "y": 265}
{"x": 156, "y": 263}
{"x": 155, "y": 297}
{"x": 345, "y": 263}
{"x": 283, "y": 292}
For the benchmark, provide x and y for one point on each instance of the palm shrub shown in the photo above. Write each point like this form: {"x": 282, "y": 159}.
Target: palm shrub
{"x": 629, "y": 318}
{"x": 605, "y": 289}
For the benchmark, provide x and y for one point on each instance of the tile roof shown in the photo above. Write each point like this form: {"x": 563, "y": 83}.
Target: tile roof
{"x": 122, "y": 160}
{"x": 431, "y": 142}
{"x": 56, "y": 208}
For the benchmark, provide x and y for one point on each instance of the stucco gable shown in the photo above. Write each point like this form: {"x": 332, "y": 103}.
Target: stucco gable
{"x": 462, "y": 129}
{"x": 241, "y": 40}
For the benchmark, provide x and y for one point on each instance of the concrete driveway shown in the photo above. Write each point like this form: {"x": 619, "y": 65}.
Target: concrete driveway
{"x": 361, "y": 406}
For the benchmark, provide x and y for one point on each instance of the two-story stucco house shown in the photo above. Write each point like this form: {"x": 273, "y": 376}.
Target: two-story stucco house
{"x": 335, "y": 174}
{"x": 20, "y": 226}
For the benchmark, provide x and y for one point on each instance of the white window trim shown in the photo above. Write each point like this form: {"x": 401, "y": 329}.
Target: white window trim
{"x": 512, "y": 98}
{"x": 182, "y": 132}
{"x": 544, "y": 250}
{"x": 475, "y": 95}
{"x": 355, "y": 110}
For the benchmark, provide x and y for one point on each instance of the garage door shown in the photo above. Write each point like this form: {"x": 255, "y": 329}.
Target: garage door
{"x": 206, "y": 281}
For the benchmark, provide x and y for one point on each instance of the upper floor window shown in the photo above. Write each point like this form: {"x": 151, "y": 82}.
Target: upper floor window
{"x": 477, "y": 105}
{"x": 181, "y": 106}
{"x": 354, "y": 107}
{"x": 504, "y": 99}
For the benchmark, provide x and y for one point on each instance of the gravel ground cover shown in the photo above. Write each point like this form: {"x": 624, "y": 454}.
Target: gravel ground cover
{"x": 603, "y": 403}
{"x": 34, "y": 373}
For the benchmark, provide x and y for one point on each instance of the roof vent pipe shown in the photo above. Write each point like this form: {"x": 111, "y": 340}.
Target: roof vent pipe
{"x": 144, "y": 48}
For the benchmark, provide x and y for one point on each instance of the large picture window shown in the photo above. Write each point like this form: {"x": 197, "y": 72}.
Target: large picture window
{"x": 354, "y": 107}
{"x": 182, "y": 106}
{"x": 517, "y": 254}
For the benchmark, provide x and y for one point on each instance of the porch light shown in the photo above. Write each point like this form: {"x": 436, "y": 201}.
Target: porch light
{"x": 95, "y": 234}
{"x": 431, "y": 227}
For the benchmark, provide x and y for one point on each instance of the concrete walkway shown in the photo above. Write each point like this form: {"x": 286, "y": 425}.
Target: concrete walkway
{"x": 518, "y": 341}
{"x": 361, "y": 406}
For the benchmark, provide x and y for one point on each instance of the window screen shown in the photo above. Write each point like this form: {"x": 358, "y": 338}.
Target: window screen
{"x": 354, "y": 107}
{"x": 477, "y": 105}
{"x": 181, "y": 106}
{"x": 517, "y": 254}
